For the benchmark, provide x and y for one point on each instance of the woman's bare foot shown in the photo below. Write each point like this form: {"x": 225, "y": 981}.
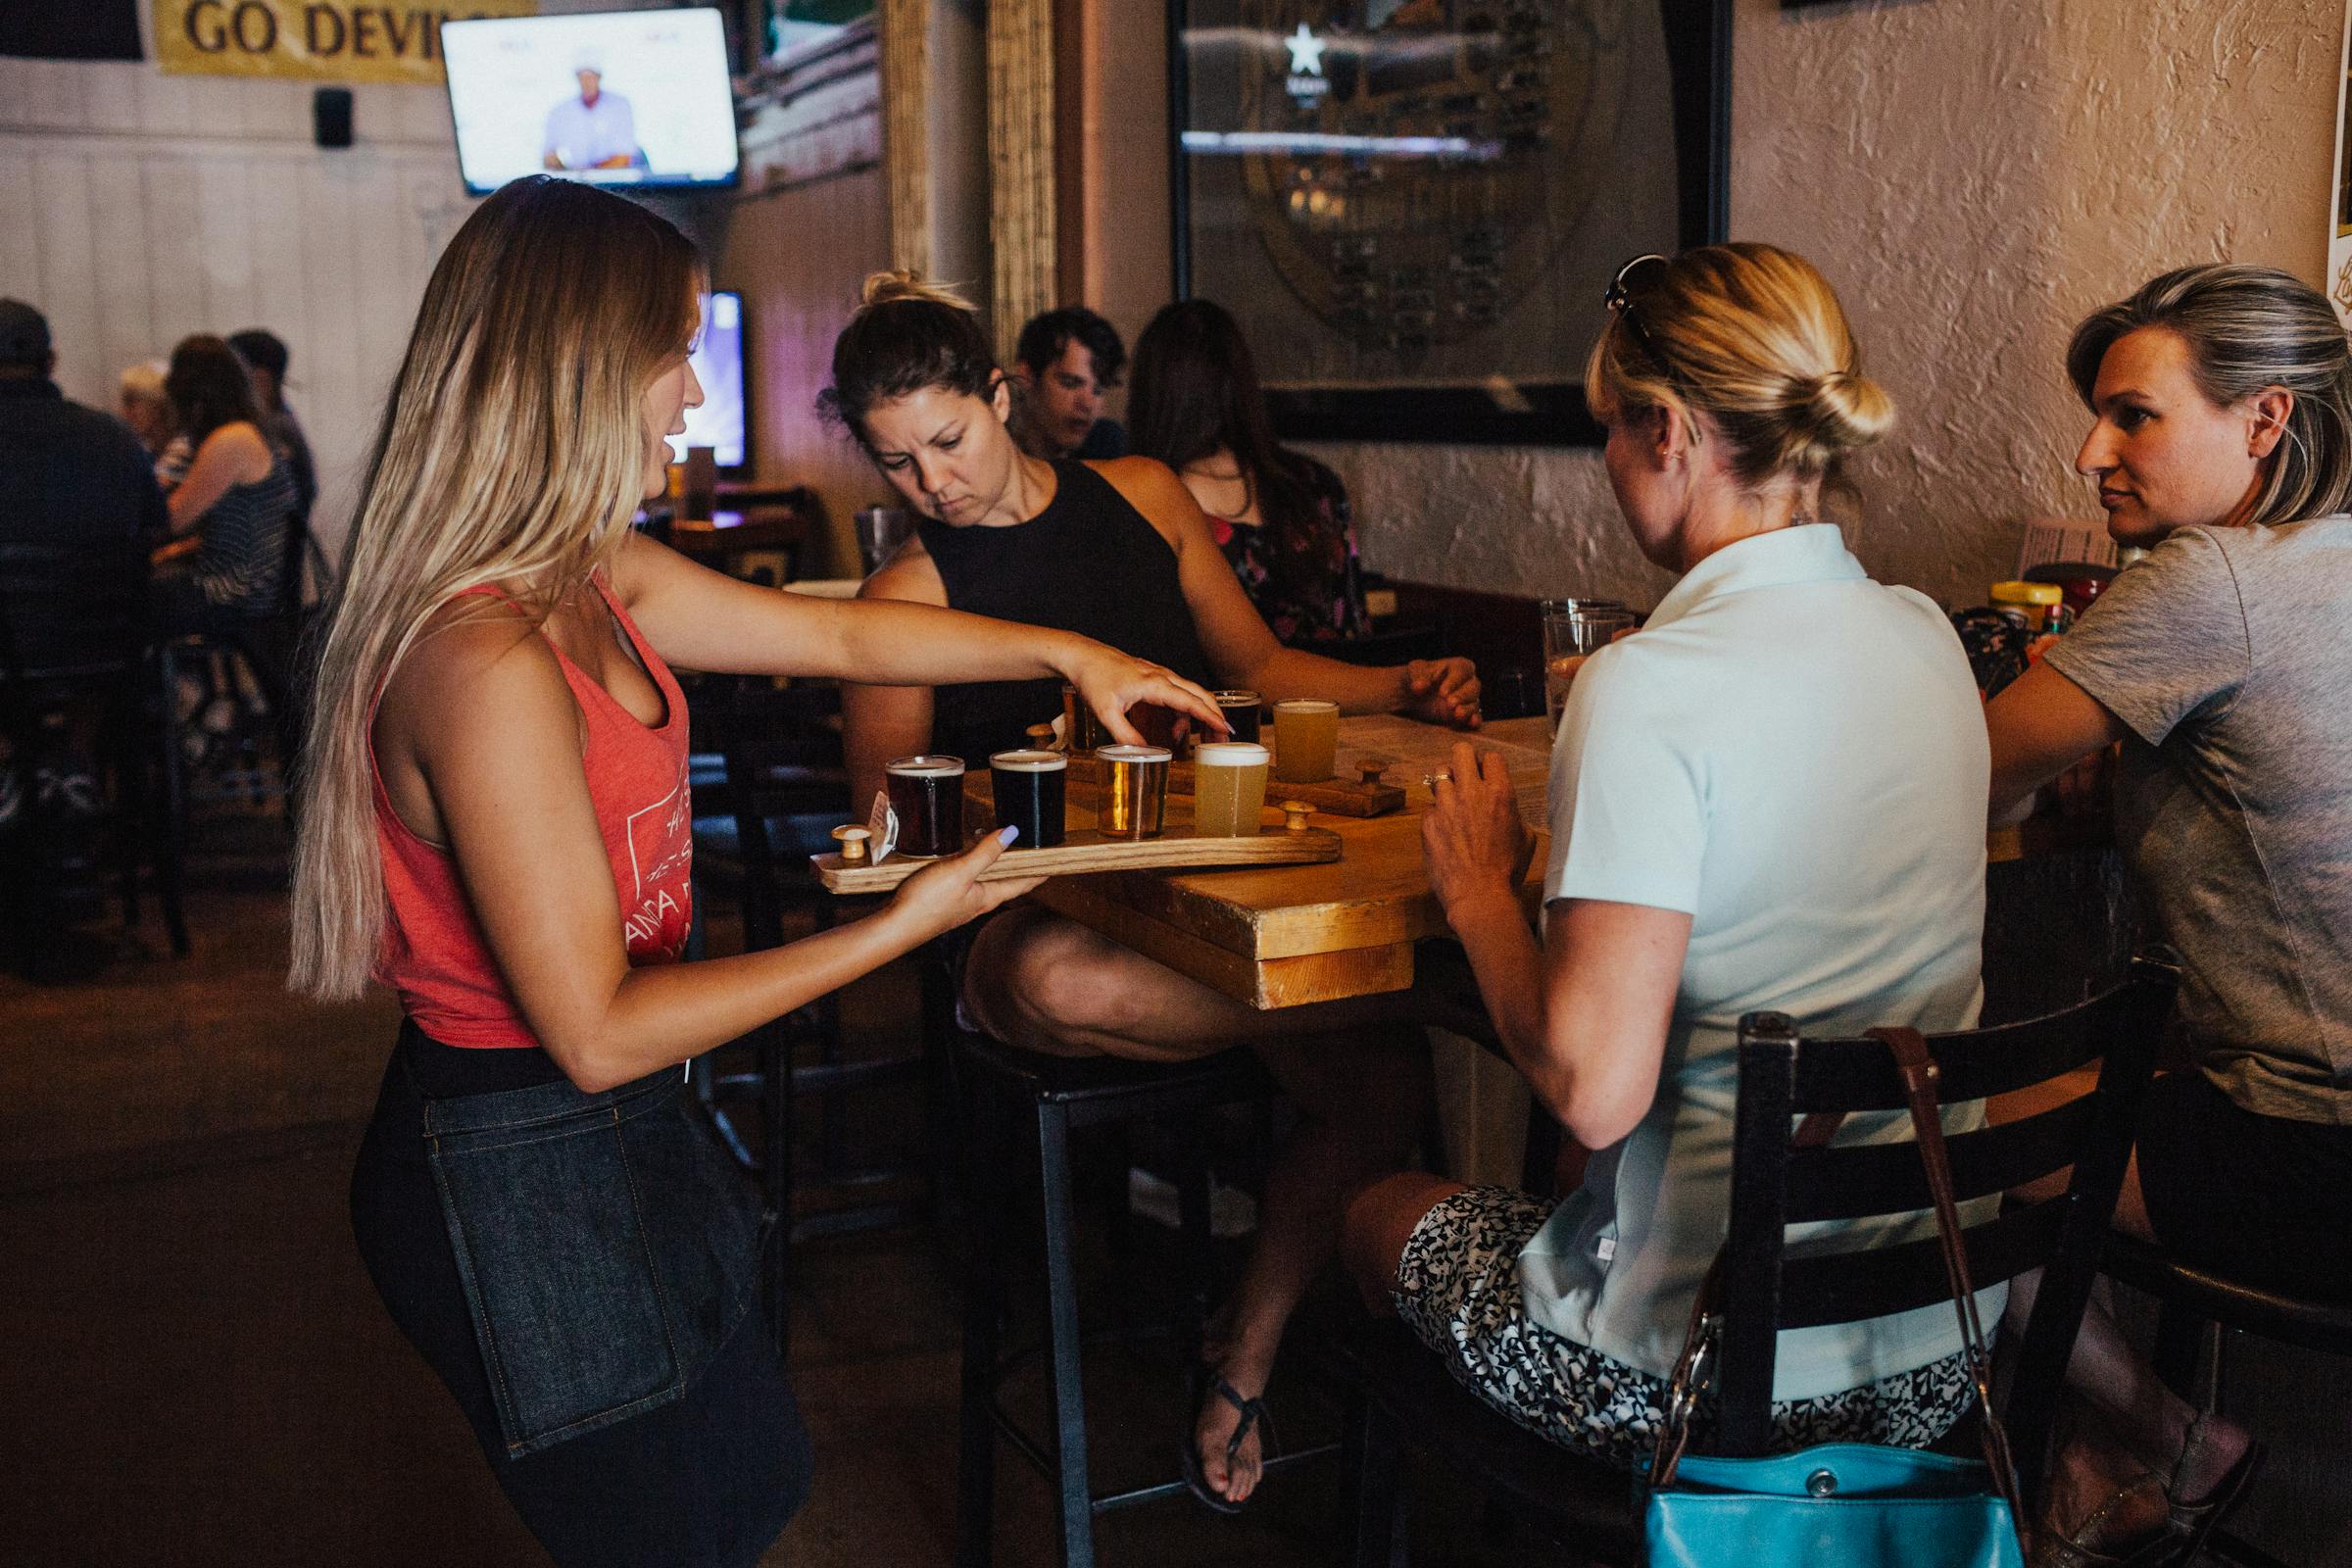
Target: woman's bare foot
{"x": 1236, "y": 1479}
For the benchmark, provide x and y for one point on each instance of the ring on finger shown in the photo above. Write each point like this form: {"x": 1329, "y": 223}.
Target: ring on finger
{"x": 1430, "y": 781}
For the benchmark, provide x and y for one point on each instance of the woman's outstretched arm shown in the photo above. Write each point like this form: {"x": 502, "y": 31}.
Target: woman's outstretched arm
{"x": 480, "y": 743}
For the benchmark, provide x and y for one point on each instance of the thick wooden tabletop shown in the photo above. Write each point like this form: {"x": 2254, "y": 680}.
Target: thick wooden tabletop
{"x": 1281, "y": 937}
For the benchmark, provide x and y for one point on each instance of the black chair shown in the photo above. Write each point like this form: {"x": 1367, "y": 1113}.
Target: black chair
{"x": 73, "y": 634}
{"x": 772, "y": 767}
{"x": 2197, "y": 1310}
{"x": 1406, "y": 1395}
{"x": 1011, "y": 1098}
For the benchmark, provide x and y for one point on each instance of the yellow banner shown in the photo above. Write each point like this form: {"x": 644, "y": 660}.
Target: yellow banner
{"x": 319, "y": 41}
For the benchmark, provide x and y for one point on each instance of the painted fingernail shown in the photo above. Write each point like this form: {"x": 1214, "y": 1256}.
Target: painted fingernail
{"x": 1005, "y": 835}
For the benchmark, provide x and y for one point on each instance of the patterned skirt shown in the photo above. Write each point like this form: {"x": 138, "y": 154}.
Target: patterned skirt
{"x": 1459, "y": 1288}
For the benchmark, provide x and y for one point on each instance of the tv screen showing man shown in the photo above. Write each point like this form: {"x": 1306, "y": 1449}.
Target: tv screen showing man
{"x": 611, "y": 97}
{"x": 595, "y": 130}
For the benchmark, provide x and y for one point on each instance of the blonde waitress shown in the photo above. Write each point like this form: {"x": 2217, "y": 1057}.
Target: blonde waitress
{"x": 496, "y": 826}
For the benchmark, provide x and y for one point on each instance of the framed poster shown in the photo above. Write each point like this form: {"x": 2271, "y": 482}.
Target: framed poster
{"x": 1414, "y": 207}
{"x": 2339, "y": 228}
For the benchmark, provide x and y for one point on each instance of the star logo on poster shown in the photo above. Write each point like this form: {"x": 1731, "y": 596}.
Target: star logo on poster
{"x": 1306, "y": 52}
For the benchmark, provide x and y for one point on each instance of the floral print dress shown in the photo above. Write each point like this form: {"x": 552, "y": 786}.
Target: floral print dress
{"x": 1302, "y": 572}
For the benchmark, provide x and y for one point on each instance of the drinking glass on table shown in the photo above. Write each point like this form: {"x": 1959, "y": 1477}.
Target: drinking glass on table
{"x": 1307, "y": 737}
{"x": 1574, "y": 630}
{"x": 1229, "y": 789}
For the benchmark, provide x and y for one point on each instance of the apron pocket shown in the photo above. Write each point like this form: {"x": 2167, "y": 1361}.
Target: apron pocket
{"x": 562, "y": 1271}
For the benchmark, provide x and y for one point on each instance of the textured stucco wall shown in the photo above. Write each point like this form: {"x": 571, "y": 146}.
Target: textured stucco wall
{"x": 1972, "y": 177}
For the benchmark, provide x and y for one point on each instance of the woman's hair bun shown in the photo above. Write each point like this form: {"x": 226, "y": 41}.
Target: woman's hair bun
{"x": 890, "y": 287}
{"x": 1845, "y": 411}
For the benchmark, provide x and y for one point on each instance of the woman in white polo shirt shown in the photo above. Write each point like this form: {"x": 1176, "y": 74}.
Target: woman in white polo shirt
{"x": 1771, "y": 797}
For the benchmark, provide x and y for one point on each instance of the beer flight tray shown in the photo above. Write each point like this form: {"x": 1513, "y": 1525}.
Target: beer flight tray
{"x": 1086, "y": 850}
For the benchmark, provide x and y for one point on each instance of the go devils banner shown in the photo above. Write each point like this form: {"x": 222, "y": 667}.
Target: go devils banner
{"x": 324, "y": 40}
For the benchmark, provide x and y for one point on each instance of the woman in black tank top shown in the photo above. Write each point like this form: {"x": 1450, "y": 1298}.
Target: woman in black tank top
{"x": 1088, "y": 563}
{"x": 1120, "y": 551}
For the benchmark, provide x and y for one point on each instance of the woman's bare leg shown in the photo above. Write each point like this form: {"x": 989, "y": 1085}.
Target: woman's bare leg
{"x": 1359, "y": 1080}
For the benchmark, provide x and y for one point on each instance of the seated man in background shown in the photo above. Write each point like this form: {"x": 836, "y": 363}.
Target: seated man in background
{"x": 1065, "y": 360}
{"x": 76, "y": 498}
{"x": 264, "y": 355}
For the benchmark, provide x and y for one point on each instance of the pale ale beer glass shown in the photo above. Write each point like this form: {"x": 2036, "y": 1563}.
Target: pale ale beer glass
{"x": 1229, "y": 789}
{"x": 1306, "y": 740}
{"x": 1135, "y": 790}
{"x": 1238, "y": 710}
{"x": 927, "y": 794}
{"x": 1574, "y": 630}
{"x": 1028, "y": 789}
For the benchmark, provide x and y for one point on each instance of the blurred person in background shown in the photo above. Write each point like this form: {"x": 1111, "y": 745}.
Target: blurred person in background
{"x": 230, "y": 512}
{"x": 1064, "y": 363}
{"x": 264, "y": 355}
{"x": 1280, "y": 517}
{"x": 140, "y": 401}
{"x": 75, "y": 498}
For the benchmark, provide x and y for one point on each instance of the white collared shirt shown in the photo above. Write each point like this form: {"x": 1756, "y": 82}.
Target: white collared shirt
{"x": 1796, "y": 756}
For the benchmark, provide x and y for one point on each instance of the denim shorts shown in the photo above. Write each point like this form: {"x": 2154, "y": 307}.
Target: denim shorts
{"x": 580, "y": 1271}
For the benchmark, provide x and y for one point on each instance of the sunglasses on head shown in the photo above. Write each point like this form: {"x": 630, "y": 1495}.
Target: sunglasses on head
{"x": 1620, "y": 302}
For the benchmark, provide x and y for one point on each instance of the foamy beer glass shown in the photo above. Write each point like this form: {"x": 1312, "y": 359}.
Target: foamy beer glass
{"x": 927, "y": 794}
{"x": 1229, "y": 789}
{"x": 1135, "y": 790}
{"x": 1238, "y": 710}
{"x": 1029, "y": 792}
{"x": 1306, "y": 740}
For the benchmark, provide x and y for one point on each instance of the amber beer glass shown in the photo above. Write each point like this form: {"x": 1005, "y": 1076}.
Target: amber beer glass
{"x": 1135, "y": 790}
{"x": 1238, "y": 710}
{"x": 927, "y": 794}
{"x": 1306, "y": 740}
{"x": 1229, "y": 789}
{"x": 1030, "y": 793}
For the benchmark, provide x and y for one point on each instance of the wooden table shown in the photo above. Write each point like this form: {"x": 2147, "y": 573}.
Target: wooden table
{"x": 1286, "y": 935}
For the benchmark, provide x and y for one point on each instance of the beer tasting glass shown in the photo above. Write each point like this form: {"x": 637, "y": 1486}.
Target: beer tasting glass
{"x": 1306, "y": 740}
{"x": 1135, "y": 790}
{"x": 927, "y": 794}
{"x": 1229, "y": 789}
{"x": 1238, "y": 710}
{"x": 1574, "y": 630}
{"x": 1028, "y": 787}
{"x": 1080, "y": 727}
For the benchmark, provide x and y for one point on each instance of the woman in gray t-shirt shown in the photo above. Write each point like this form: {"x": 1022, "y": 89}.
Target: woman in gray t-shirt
{"x": 2222, "y": 444}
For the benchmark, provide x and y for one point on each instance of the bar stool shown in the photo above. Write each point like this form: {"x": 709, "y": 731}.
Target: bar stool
{"x": 2196, "y": 1307}
{"x": 773, "y": 771}
{"x": 1011, "y": 1096}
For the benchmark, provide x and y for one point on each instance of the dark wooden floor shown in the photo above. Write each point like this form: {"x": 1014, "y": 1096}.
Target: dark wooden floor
{"x": 195, "y": 1370}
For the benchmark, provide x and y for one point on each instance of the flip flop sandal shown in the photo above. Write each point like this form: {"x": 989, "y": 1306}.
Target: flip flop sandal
{"x": 1205, "y": 1383}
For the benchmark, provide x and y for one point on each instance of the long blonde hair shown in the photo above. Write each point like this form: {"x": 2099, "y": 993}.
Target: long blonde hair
{"x": 512, "y": 450}
{"x": 1752, "y": 336}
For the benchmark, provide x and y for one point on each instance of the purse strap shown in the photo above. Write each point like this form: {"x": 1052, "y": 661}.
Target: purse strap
{"x": 1920, "y": 1075}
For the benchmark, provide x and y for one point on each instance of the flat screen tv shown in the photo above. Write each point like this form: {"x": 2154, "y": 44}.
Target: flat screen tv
{"x": 717, "y": 361}
{"x": 617, "y": 97}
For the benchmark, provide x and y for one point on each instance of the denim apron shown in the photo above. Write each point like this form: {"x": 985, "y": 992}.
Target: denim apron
{"x": 606, "y": 1244}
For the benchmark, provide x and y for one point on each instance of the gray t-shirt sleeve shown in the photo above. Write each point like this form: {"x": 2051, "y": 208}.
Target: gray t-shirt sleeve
{"x": 2166, "y": 638}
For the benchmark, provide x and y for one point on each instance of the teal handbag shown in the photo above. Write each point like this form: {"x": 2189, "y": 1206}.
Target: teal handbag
{"x": 1852, "y": 1504}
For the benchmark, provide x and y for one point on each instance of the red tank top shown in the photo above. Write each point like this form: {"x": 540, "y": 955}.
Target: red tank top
{"x": 434, "y": 956}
